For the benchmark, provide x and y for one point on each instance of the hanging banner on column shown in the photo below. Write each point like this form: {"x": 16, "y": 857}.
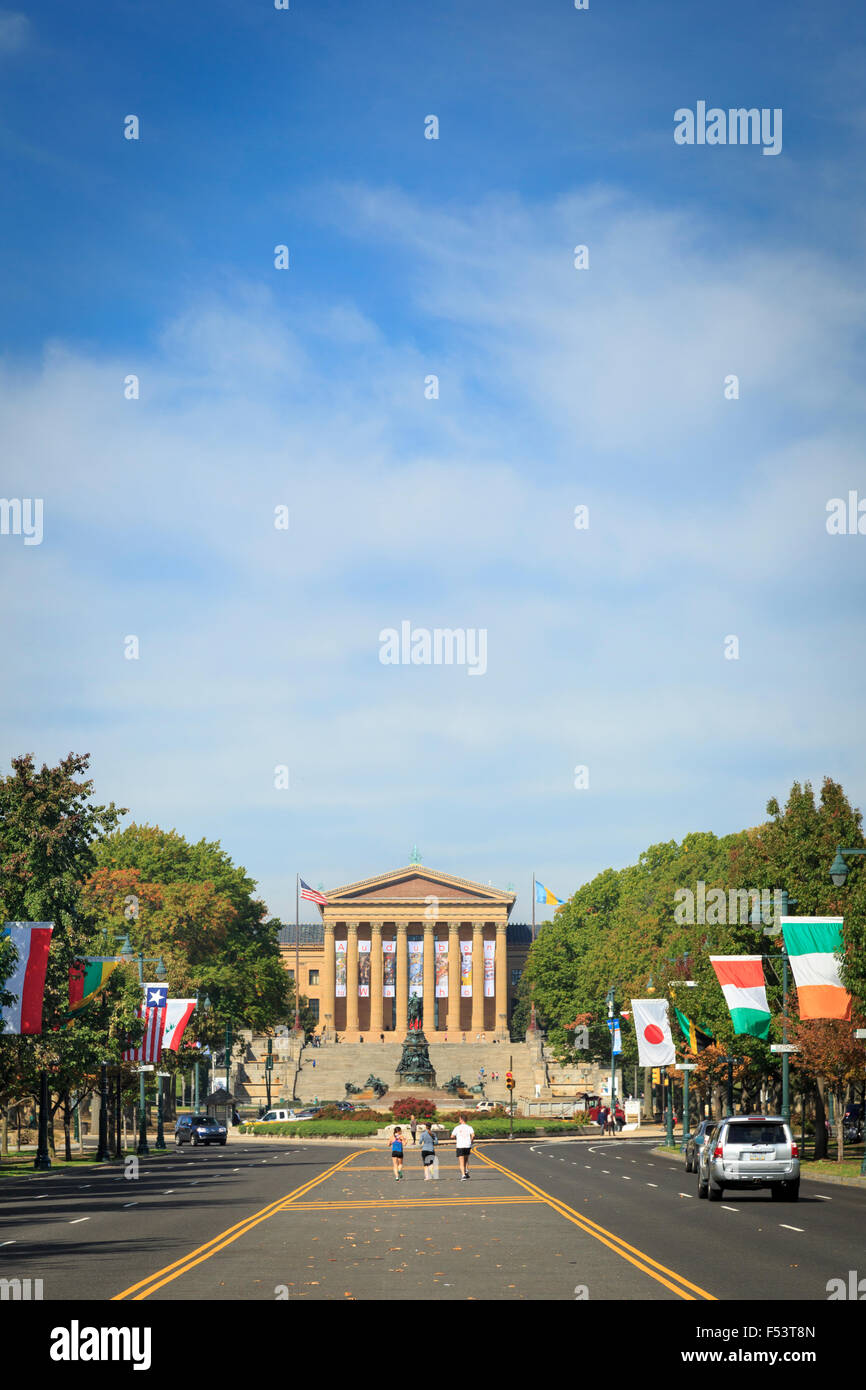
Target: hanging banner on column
{"x": 441, "y": 969}
{"x": 340, "y": 951}
{"x": 389, "y": 969}
{"x": 416, "y": 966}
{"x": 489, "y": 963}
{"x": 465, "y": 969}
{"x": 363, "y": 970}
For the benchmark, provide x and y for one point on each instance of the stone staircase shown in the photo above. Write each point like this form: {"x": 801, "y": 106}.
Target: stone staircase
{"x": 320, "y": 1073}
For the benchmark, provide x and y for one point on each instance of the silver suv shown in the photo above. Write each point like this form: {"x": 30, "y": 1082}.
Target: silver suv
{"x": 750, "y": 1151}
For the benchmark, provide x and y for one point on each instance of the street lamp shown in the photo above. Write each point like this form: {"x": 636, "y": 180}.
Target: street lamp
{"x": 756, "y": 920}
{"x": 160, "y": 972}
{"x": 839, "y": 876}
{"x": 206, "y": 1009}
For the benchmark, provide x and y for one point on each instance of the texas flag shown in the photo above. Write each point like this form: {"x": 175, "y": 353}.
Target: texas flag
{"x": 153, "y": 1013}
{"x": 27, "y": 980}
{"x": 655, "y": 1046}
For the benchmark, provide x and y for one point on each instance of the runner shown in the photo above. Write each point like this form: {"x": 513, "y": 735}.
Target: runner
{"x": 463, "y": 1134}
{"x": 413, "y": 1129}
{"x": 428, "y": 1150}
{"x": 397, "y": 1152}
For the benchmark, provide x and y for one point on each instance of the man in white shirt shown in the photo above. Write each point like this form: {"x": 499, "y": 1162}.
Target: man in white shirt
{"x": 463, "y": 1134}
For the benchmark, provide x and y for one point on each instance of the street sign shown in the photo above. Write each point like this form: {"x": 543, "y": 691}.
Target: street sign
{"x": 860, "y": 1032}
{"x": 147, "y": 1067}
{"x": 783, "y": 1047}
{"x": 685, "y": 1066}
{"x": 269, "y": 1063}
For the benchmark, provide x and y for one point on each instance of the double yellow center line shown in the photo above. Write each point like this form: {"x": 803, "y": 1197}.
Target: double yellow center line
{"x": 145, "y": 1287}
{"x": 671, "y": 1280}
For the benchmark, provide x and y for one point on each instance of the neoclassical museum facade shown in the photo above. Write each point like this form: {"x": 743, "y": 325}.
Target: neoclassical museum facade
{"x": 411, "y": 931}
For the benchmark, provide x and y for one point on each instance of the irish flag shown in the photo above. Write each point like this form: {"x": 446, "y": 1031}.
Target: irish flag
{"x": 742, "y": 982}
{"x": 815, "y": 948}
{"x": 27, "y": 981}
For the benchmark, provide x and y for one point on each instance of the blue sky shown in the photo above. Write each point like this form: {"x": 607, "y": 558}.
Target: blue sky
{"x": 558, "y": 387}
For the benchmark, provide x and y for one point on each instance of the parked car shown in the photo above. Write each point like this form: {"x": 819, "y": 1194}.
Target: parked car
{"x": 199, "y": 1129}
{"x": 750, "y": 1151}
{"x": 696, "y": 1143}
{"x": 345, "y": 1106}
{"x": 484, "y": 1106}
{"x": 286, "y": 1116}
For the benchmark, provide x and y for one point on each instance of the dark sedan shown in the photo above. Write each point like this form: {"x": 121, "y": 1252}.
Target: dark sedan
{"x": 696, "y": 1142}
{"x": 199, "y": 1129}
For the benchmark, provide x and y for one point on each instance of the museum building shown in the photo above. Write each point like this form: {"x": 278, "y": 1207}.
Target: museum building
{"x": 413, "y": 931}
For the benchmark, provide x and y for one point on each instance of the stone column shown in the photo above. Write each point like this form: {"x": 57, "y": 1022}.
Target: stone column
{"x": 428, "y": 1021}
{"x": 377, "y": 1003}
{"x": 477, "y": 978}
{"x": 329, "y": 984}
{"x": 352, "y": 979}
{"x": 454, "y": 981}
{"x": 401, "y": 998}
{"x": 501, "y": 983}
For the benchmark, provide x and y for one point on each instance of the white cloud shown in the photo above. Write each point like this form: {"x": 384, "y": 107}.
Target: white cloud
{"x": 15, "y": 31}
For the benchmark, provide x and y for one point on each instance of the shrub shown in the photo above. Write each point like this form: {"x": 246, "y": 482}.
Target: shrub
{"x": 420, "y": 1107}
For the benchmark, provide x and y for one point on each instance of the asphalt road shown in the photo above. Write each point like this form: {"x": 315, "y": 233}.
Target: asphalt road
{"x": 554, "y": 1220}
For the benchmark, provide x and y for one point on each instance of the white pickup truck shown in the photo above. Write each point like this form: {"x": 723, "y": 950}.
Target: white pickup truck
{"x": 286, "y": 1115}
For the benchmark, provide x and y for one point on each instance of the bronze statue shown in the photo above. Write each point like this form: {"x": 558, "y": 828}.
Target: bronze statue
{"x": 415, "y": 1011}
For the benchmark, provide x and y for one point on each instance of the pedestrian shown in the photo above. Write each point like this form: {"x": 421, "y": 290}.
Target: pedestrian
{"x": 463, "y": 1134}
{"x": 413, "y": 1128}
{"x": 428, "y": 1151}
{"x": 382, "y": 1038}
{"x": 610, "y": 1122}
{"x": 484, "y": 1037}
{"x": 463, "y": 1039}
{"x": 397, "y": 1152}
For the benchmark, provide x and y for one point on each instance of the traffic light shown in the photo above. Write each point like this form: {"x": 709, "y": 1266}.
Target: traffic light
{"x": 509, "y": 1080}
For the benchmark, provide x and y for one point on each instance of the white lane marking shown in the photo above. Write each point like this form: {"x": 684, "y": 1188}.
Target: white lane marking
{"x": 626, "y": 1178}
{"x": 823, "y": 1199}
{"x": 130, "y": 1204}
{"x": 801, "y": 1229}
{"x": 606, "y": 1170}
{"x": 82, "y": 1185}
{"x": 41, "y": 1195}
{"x": 650, "y": 1165}
{"x": 8, "y": 1242}
{"x": 652, "y": 1184}
{"x": 690, "y": 1194}
{"x": 78, "y": 1220}
{"x": 724, "y": 1208}
{"x": 587, "y": 1165}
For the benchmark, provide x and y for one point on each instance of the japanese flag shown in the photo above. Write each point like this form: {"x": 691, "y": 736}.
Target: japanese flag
{"x": 655, "y": 1046}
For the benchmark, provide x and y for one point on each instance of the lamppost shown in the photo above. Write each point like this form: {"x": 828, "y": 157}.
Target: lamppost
{"x": 206, "y": 1009}
{"x": 839, "y": 876}
{"x": 102, "y": 1151}
{"x": 160, "y": 1135}
{"x": 784, "y": 902}
{"x": 160, "y": 972}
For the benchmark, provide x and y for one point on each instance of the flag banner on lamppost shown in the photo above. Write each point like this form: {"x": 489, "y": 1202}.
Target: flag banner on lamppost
{"x": 489, "y": 968}
{"x": 340, "y": 969}
{"x": 416, "y": 966}
{"x": 152, "y": 1012}
{"x": 32, "y": 941}
{"x": 441, "y": 969}
{"x": 465, "y": 969}
{"x": 615, "y": 1036}
{"x": 742, "y": 982}
{"x": 697, "y": 1038}
{"x": 389, "y": 969}
{"x": 363, "y": 970}
{"x": 815, "y": 948}
{"x": 178, "y": 1013}
{"x": 655, "y": 1046}
{"x": 88, "y": 977}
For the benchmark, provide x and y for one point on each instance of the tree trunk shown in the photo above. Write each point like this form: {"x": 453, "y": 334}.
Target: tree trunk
{"x": 840, "y": 1127}
{"x": 4, "y": 1133}
{"x": 820, "y": 1120}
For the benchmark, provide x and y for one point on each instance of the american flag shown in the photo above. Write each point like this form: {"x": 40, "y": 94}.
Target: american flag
{"x": 312, "y": 895}
{"x": 153, "y": 1013}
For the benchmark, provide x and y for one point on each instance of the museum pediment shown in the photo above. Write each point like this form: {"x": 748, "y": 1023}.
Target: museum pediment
{"x": 416, "y": 885}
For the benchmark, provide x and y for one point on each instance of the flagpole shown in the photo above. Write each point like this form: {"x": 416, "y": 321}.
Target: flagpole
{"x": 297, "y": 958}
{"x": 532, "y": 1004}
